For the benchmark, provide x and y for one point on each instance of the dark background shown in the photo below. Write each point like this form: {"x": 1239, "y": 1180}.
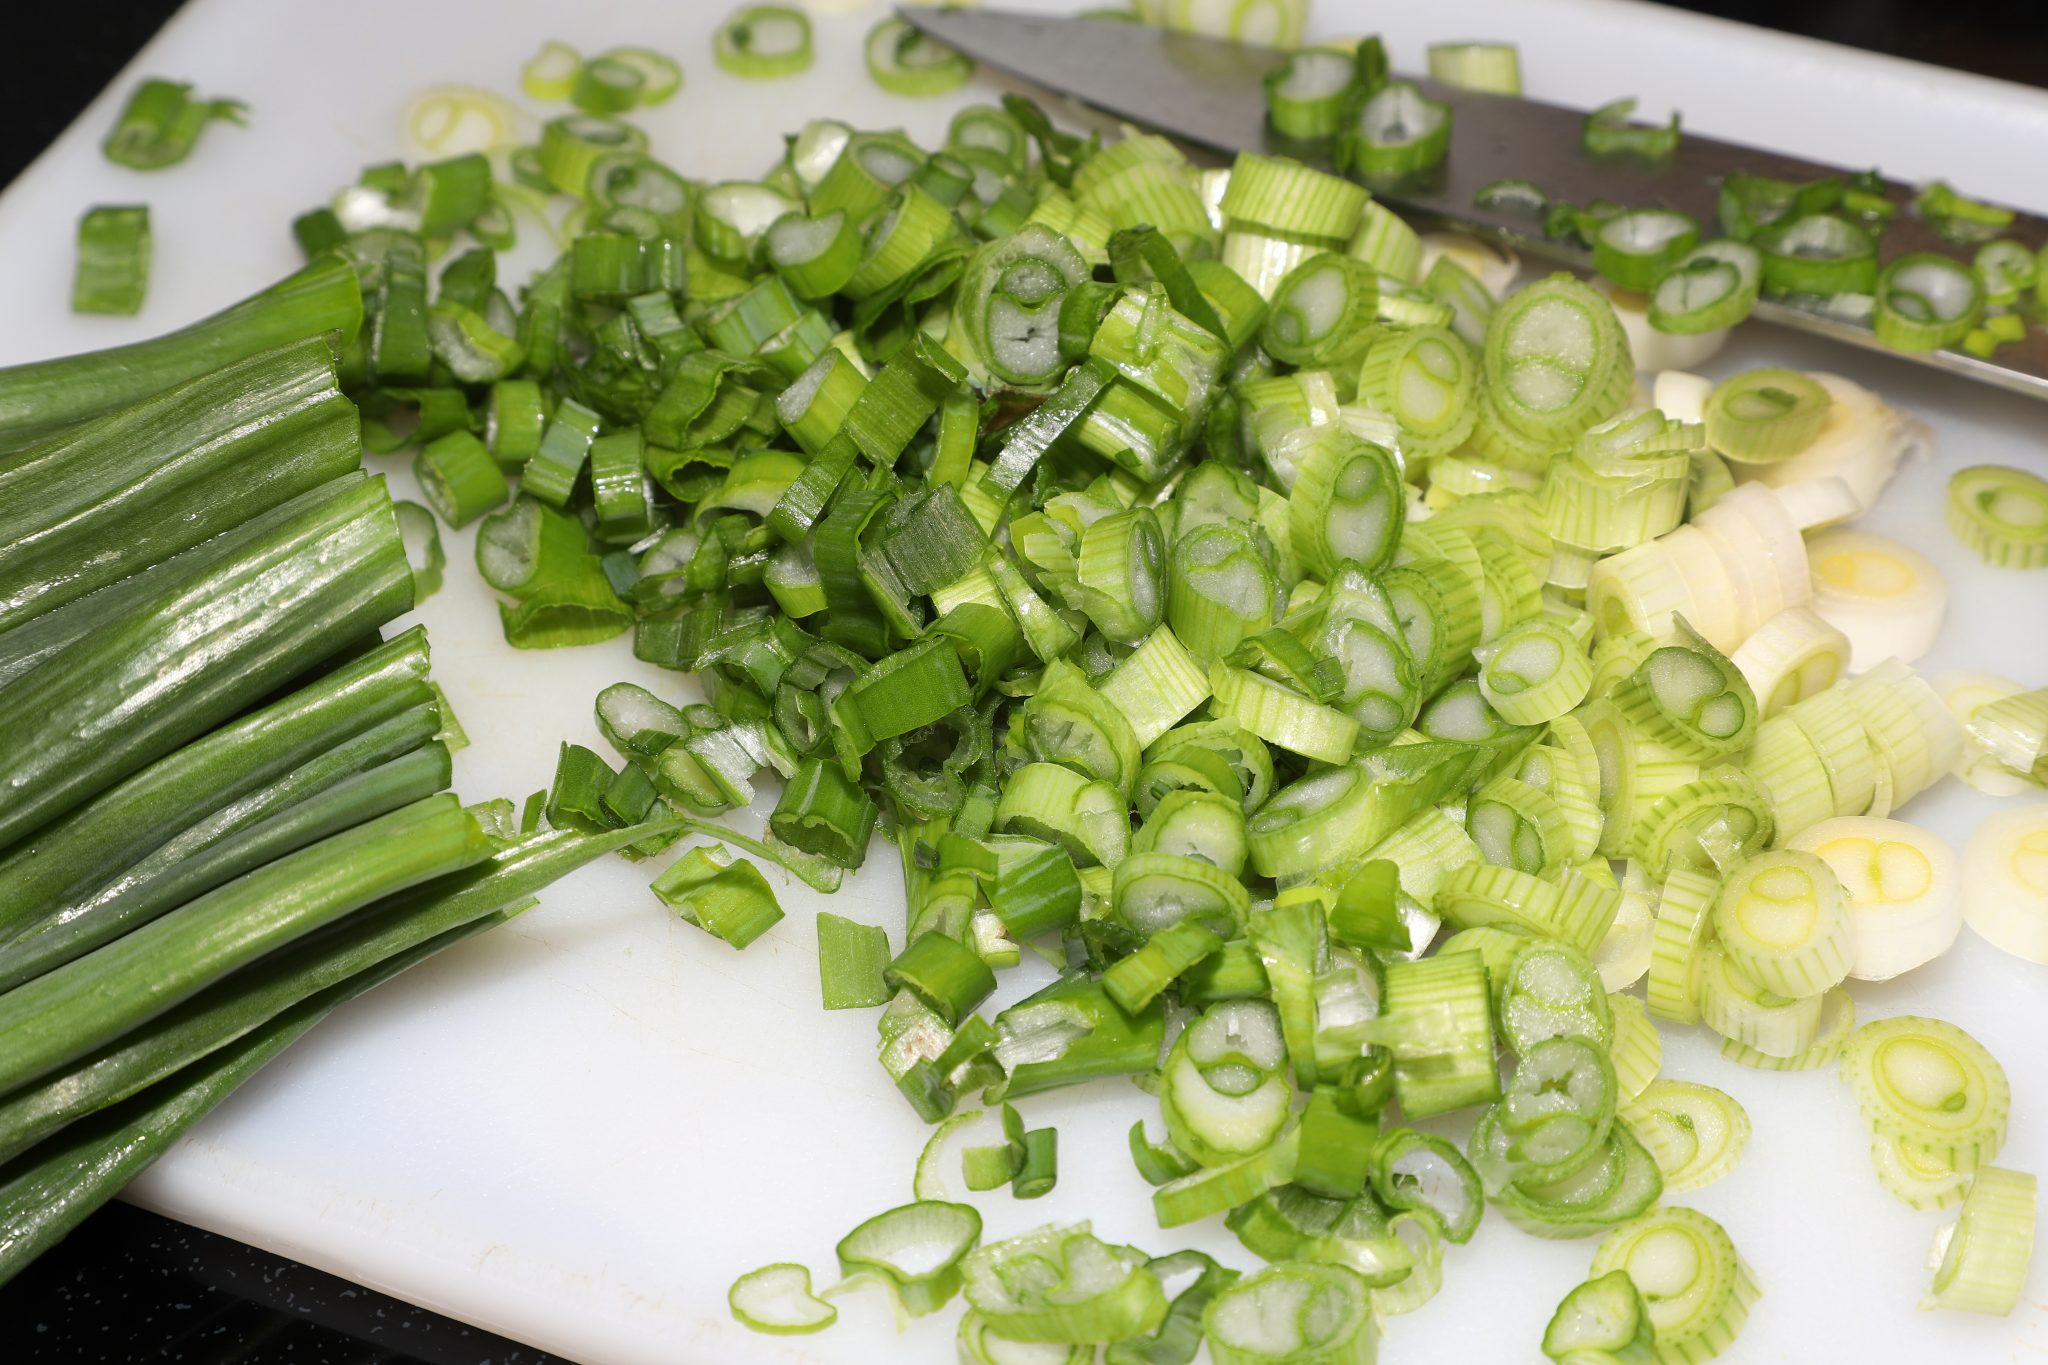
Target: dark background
{"x": 129, "y": 1286}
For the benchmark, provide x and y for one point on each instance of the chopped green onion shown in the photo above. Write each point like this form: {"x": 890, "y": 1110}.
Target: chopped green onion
{"x": 904, "y": 61}
{"x": 1980, "y": 1261}
{"x": 1305, "y": 96}
{"x": 1609, "y": 133}
{"x": 1697, "y": 1289}
{"x": 550, "y": 74}
{"x": 1820, "y": 255}
{"x": 1495, "y": 68}
{"x": 161, "y": 124}
{"x": 1294, "y": 1311}
{"x": 1638, "y": 248}
{"x": 1398, "y": 132}
{"x": 915, "y": 1250}
{"x": 2001, "y": 514}
{"x": 113, "y": 260}
{"x": 1926, "y": 302}
{"x": 778, "y": 1299}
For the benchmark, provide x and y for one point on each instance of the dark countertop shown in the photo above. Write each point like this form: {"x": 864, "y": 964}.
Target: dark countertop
{"x": 129, "y": 1286}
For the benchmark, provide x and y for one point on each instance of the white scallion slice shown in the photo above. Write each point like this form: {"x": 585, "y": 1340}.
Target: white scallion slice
{"x": 2005, "y": 882}
{"x": 1887, "y": 598}
{"x": 1903, "y": 887}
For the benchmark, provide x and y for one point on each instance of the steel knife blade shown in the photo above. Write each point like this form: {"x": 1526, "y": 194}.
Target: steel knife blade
{"x": 1209, "y": 92}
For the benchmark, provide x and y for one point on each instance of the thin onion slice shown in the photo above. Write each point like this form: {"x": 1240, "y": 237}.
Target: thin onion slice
{"x": 1887, "y": 598}
{"x": 2005, "y": 882}
{"x": 1903, "y": 887}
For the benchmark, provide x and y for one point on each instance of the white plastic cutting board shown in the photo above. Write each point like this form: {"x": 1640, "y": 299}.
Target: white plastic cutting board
{"x": 577, "y": 1130}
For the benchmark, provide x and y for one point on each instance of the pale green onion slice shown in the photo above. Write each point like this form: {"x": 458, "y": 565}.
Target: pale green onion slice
{"x": 1638, "y": 1047}
{"x": 1305, "y": 96}
{"x": 1064, "y": 1285}
{"x": 777, "y": 1299}
{"x": 572, "y": 145}
{"x": 1837, "y": 1023}
{"x": 764, "y": 42}
{"x": 1224, "y": 1090}
{"x": 1605, "y": 1318}
{"x": 1782, "y": 920}
{"x": 1296, "y": 1311}
{"x": 1515, "y": 825}
{"x": 1980, "y": 1261}
{"x": 1697, "y": 1133}
{"x": 2005, "y": 881}
{"x": 1764, "y": 416}
{"x": 1902, "y": 888}
{"x": 1492, "y": 67}
{"x": 1556, "y": 359}
{"x": 1888, "y": 598}
{"x": 1929, "y": 1085}
{"x": 1534, "y": 674}
{"x": 2001, "y": 514}
{"x": 454, "y": 120}
{"x": 1691, "y": 698}
{"x": 915, "y": 1249}
{"x": 1926, "y": 302}
{"x": 1275, "y": 195}
{"x": 1710, "y": 287}
{"x": 550, "y": 74}
{"x": 1618, "y": 1183}
{"x": 1262, "y": 23}
{"x": 1322, "y": 312}
{"x": 1426, "y": 379}
{"x": 1437, "y": 1020}
{"x": 1696, "y": 1286}
{"x": 904, "y": 61}
{"x": 1635, "y": 249}
{"x": 1914, "y": 1179}
{"x": 1010, "y": 303}
{"x": 1790, "y": 657}
{"x": 1549, "y": 990}
{"x": 1398, "y": 132}
{"x": 1385, "y": 242}
{"x": 1738, "y": 1008}
{"x": 1346, "y": 504}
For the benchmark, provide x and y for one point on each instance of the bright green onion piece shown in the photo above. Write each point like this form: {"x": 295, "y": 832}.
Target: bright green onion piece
{"x": 1925, "y": 302}
{"x": 1980, "y": 1261}
{"x": 1606, "y": 1319}
{"x": 1322, "y": 312}
{"x": 1422, "y": 1174}
{"x": 1608, "y": 132}
{"x": 459, "y": 478}
{"x": 550, "y": 74}
{"x": 1962, "y": 220}
{"x": 1712, "y": 286}
{"x": 570, "y": 147}
{"x": 1549, "y": 989}
{"x": 1063, "y": 1285}
{"x": 1534, "y": 673}
{"x": 1636, "y": 249}
{"x": 777, "y": 1299}
{"x": 1426, "y": 378}
{"x": 1697, "y": 1289}
{"x": 946, "y": 976}
{"x": 1296, "y": 1311}
{"x": 727, "y": 898}
{"x": 1438, "y": 1021}
{"x": 1691, "y": 698}
{"x": 605, "y": 85}
{"x": 1764, "y": 416}
{"x": 113, "y": 260}
{"x": 161, "y": 124}
{"x": 1305, "y": 96}
{"x": 1556, "y": 359}
{"x": 2001, "y": 514}
{"x": 852, "y": 958}
{"x": 1398, "y": 132}
{"x": 1010, "y": 299}
{"x": 557, "y": 465}
{"x": 1818, "y": 254}
{"x": 903, "y": 61}
{"x": 916, "y": 1250}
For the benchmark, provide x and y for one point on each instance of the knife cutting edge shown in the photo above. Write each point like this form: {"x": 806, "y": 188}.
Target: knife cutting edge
{"x": 1210, "y": 93}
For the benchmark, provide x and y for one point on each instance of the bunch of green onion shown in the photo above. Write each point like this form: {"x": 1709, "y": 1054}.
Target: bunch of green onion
{"x": 222, "y": 793}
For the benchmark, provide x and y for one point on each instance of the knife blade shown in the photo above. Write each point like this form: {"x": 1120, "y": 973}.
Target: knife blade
{"x": 1209, "y": 92}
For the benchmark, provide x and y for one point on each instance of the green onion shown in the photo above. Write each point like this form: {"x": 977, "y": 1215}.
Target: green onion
{"x": 1305, "y": 96}
{"x": 1397, "y": 132}
{"x": 658, "y": 77}
{"x": 1764, "y": 416}
{"x": 778, "y": 1299}
{"x": 916, "y": 1250}
{"x": 1495, "y": 68}
{"x": 1609, "y": 133}
{"x": 1294, "y": 1311}
{"x": 1224, "y": 1090}
{"x": 1926, "y": 302}
{"x": 1605, "y": 1316}
{"x": 1712, "y": 286}
{"x": 161, "y": 125}
{"x": 1931, "y": 1087}
{"x": 41, "y": 396}
{"x": 550, "y": 74}
{"x": 1697, "y": 1289}
{"x": 1556, "y": 359}
{"x": 113, "y": 260}
{"x": 727, "y": 899}
{"x": 2001, "y": 514}
{"x": 1818, "y": 254}
{"x": 904, "y": 61}
{"x": 1980, "y": 1260}
{"x": 1697, "y": 1133}
{"x": 572, "y": 146}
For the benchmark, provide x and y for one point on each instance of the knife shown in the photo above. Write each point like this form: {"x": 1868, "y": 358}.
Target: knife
{"x": 1209, "y": 92}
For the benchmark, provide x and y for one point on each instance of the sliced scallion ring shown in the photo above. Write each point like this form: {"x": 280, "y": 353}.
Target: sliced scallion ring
{"x": 605, "y": 85}
{"x": 1608, "y": 132}
{"x": 1293, "y": 1311}
{"x": 1636, "y": 249}
{"x": 550, "y": 74}
{"x": 1929, "y": 1085}
{"x": 777, "y": 1299}
{"x": 764, "y": 42}
{"x": 1556, "y": 359}
{"x": 1925, "y": 302}
{"x": 1305, "y": 97}
{"x": 1399, "y": 131}
{"x": 1696, "y": 1132}
{"x": 1818, "y": 255}
{"x": 1980, "y": 1261}
{"x": 1493, "y": 67}
{"x": 914, "y": 1249}
{"x": 660, "y": 76}
{"x": 904, "y": 61}
{"x": 2001, "y": 514}
{"x": 1697, "y": 1287}
{"x": 1712, "y": 286}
